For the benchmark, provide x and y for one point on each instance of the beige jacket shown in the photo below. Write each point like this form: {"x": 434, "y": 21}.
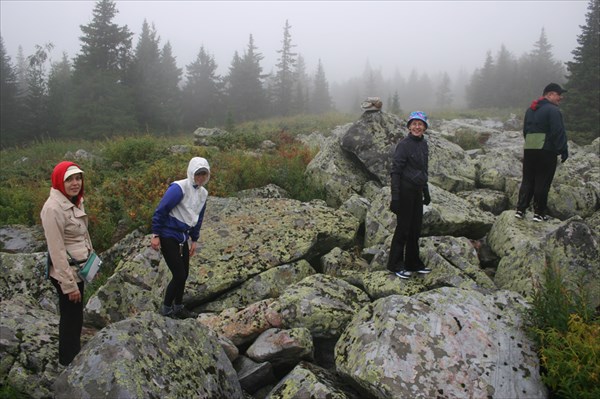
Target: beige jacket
{"x": 65, "y": 227}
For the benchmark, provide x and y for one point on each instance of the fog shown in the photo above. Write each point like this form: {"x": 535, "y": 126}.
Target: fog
{"x": 390, "y": 36}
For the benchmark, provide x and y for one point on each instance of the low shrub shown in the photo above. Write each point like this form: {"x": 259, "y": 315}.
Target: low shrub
{"x": 567, "y": 330}
{"x": 571, "y": 359}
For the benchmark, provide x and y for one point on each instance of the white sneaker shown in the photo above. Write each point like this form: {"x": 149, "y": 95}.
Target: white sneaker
{"x": 405, "y": 274}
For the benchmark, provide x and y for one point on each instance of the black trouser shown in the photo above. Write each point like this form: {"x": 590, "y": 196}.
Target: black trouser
{"x": 405, "y": 243}
{"x": 177, "y": 257}
{"x": 70, "y": 324}
{"x": 538, "y": 172}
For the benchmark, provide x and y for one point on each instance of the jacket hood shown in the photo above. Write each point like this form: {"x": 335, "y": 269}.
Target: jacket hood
{"x": 535, "y": 104}
{"x": 195, "y": 164}
{"x": 58, "y": 180}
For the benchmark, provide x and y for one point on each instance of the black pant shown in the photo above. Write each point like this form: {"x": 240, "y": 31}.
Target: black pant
{"x": 177, "y": 258}
{"x": 405, "y": 243}
{"x": 538, "y": 172}
{"x": 70, "y": 325}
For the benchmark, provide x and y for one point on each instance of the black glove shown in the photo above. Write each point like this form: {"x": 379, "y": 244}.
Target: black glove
{"x": 426, "y": 197}
{"x": 564, "y": 156}
{"x": 395, "y": 206}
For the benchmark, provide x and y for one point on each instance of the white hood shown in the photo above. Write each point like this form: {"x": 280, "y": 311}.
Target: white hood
{"x": 194, "y": 197}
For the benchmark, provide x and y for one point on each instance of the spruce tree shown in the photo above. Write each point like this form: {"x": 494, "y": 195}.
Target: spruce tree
{"x": 59, "y": 89}
{"x": 301, "y": 89}
{"x": 537, "y": 69}
{"x": 170, "y": 75}
{"x": 479, "y": 91}
{"x": 321, "y": 100}
{"x": 102, "y": 100}
{"x": 245, "y": 93}
{"x": 443, "y": 93}
{"x": 284, "y": 79}
{"x": 202, "y": 93}
{"x": 36, "y": 100}
{"x": 8, "y": 99}
{"x": 146, "y": 79}
{"x": 581, "y": 105}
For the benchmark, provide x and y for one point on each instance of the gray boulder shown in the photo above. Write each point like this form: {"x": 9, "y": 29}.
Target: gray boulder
{"x": 340, "y": 176}
{"x": 450, "y": 167}
{"x": 322, "y": 304}
{"x": 135, "y": 286}
{"x": 372, "y": 140}
{"x": 207, "y": 136}
{"x": 307, "y": 380}
{"x": 28, "y": 347}
{"x": 22, "y": 239}
{"x": 282, "y": 348}
{"x": 268, "y": 284}
{"x": 526, "y": 248}
{"x": 448, "y": 341}
{"x": 141, "y": 357}
{"x": 22, "y": 275}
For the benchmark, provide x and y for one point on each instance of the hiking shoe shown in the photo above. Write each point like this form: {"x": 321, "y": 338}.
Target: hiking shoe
{"x": 166, "y": 310}
{"x": 405, "y": 274}
{"x": 424, "y": 270}
{"x": 519, "y": 214}
{"x": 180, "y": 312}
{"x": 539, "y": 218}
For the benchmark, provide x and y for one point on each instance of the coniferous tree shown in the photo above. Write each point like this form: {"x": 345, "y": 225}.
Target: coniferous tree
{"x": 504, "y": 82}
{"x": 479, "y": 92}
{"x": 582, "y": 101}
{"x": 301, "y": 90}
{"x": 59, "y": 89}
{"x": 537, "y": 69}
{"x": 102, "y": 101}
{"x": 321, "y": 100}
{"x": 284, "y": 79}
{"x": 202, "y": 93}
{"x": 8, "y": 99}
{"x": 146, "y": 80}
{"x": 170, "y": 75}
{"x": 36, "y": 100}
{"x": 395, "y": 104}
{"x": 21, "y": 73}
{"x": 246, "y": 94}
{"x": 443, "y": 93}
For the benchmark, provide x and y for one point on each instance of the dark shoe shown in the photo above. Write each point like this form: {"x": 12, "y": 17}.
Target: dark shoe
{"x": 405, "y": 274}
{"x": 180, "y": 312}
{"x": 519, "y": 214}
{"x": 539, "y": 218}
{"x": 424, "y": 270}
{"x": 166, "y": 310}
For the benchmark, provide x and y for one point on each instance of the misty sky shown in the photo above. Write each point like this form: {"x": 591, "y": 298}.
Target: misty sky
{"x": 429, "y": 36}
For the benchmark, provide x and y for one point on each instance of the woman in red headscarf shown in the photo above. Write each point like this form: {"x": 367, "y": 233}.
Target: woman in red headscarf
{"x": 65, "y": 227}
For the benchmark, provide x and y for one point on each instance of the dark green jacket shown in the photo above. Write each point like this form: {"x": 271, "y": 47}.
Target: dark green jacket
{"x": 543, "y": 128}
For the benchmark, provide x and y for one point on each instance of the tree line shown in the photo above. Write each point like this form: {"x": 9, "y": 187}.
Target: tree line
{"x": 112, "y": 87}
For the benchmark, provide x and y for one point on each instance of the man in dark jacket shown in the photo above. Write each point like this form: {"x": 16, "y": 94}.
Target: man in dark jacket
{"x": 409, "y": 193}
{"x": 545, "y": 139}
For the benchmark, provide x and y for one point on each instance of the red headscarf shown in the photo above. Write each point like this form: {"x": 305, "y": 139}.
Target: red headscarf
{"x": 58, "y": 180}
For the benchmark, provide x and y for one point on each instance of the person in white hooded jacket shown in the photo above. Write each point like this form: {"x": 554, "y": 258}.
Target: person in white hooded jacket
{"x": 177, "y": 221}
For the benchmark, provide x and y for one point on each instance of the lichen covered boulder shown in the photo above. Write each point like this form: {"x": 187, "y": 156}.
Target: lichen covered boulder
{"x": 446, "y": 342}
{"x": 150, "y": 356}
{"x": 323, "y": 304}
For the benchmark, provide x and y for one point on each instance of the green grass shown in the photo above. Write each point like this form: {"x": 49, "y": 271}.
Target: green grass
{"x": 125, "y": 177}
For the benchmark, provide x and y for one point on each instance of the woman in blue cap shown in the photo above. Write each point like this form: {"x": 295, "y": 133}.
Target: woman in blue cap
{"x": 409, "y": 194}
